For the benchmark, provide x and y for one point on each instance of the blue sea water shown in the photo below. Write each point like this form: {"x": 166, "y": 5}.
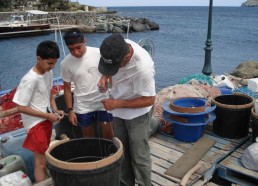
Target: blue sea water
{"x": 179, "y": 43}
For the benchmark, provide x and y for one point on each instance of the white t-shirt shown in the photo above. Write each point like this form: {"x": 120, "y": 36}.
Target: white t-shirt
{"x": 34, "y": 90}
{"x": 134, "y": 80}
{"x": 83, "y": 72}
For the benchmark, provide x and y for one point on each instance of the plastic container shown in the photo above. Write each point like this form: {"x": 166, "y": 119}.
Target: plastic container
{"x": 17, "y": 178}
{"x": 222, "y": 81}
{"x": 197, "y": 117}
{"x": 233, "y": 115}
{"x": 225, "y": 90}
{"x": 256, "y": 106}
{"x": 85, "y": 161}
{"x": 188, "y": 132}
{"x": 254, "y": 124}
{"x": 188, "y": 105}
{"x": 11, "y": 144}
{"x": 11, "y": 164}
{"x": 252, "y": 84}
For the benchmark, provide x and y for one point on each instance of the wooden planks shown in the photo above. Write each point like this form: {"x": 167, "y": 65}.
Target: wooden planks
{"x": 190, "y": 158}
{"x": 232, "y": 169}
{"x": 166, "y": 150}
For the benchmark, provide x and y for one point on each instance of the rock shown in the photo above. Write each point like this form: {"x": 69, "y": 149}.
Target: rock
{"x": 152, "y": 25}
{"x": 88, "y": 29}
{"x": 138, "y": 27}
{"x": 250, "y": 3}
{"x": 117, "y": 29}
{"x": 248, "y": 69}
{"x": 101, "y": 28}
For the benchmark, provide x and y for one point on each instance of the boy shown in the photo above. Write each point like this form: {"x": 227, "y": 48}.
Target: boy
{"x": 33, "y": 98}
{"x": 81, "y": 68}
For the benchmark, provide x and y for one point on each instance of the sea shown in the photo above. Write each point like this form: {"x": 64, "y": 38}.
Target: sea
{"x": 178, "y": 44}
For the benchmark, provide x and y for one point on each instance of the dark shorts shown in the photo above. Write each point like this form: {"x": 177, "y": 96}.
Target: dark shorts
{"x": 93, "y": 117}
{"x": 38, "y": 137}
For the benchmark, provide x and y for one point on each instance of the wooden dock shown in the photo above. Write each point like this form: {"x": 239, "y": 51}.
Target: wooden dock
{"x": 166, "y": 150}
{"x": 232, "y": 169}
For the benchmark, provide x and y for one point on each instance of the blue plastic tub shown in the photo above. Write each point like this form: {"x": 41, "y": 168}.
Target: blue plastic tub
{"x": 188, "y": 132}
{"x": 188, "y": 105}
{"x": 187, "y": 117}
{"x": 198, "y": 117}
{"x": 225, "y": 90}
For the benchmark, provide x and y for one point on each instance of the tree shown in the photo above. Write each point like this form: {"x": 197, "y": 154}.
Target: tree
{"x": 48, "y": 3}
{"x": 5, "y": 4}
{"x": 21, "y": 3}
{"x": 64, "y": 4}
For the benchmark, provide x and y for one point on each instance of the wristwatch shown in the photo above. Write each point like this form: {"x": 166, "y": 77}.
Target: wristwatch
{"x": 69, "y": 109}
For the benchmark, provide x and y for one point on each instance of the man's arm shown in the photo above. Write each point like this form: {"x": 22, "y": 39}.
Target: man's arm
{"x": 143, "y": 101}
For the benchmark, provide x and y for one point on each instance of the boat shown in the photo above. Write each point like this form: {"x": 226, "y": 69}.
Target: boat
{"x": 20, "y": 25}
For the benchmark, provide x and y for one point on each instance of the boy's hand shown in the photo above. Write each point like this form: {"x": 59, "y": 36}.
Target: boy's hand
{"x": 53, "y": 117}
{"x": 72, "y": 118}
{"x": 60, "y": 114}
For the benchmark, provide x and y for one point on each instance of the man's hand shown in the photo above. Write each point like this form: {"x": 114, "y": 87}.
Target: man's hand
{"x": 103, "y": 83}
{"x": 110, "y": 104}
{"x": 60, "y": 114}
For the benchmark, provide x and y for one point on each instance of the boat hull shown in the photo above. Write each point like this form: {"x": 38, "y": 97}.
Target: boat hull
{"x": 7, "y": 32}
{"x": 4, "y": 29}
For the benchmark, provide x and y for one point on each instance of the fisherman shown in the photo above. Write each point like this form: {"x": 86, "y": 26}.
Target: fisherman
{"x": 81, "y": 68}
{"x": 131, "y": 102}
{"x": 33, "y": 97}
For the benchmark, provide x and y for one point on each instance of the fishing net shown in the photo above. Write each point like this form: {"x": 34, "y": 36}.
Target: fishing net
{"x": 12, "y": 122}
{"x": 246, "y": 91}
{"x": 203, "y": 79}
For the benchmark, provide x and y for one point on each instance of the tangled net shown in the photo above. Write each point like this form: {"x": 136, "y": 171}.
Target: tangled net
{"x": 201, "y": 78}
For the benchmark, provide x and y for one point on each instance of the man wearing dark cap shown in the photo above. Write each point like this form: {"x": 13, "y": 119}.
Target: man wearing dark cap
{"x": 131, "y": 101}
{"x": 81, "y": 68}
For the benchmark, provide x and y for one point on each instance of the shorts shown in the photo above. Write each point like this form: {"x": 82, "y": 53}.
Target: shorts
{"x": 38, "y": 137}
{"x": 87, "y": 119}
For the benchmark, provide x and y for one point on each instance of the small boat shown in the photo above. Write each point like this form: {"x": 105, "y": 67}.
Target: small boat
{"x": 20, "y": 25}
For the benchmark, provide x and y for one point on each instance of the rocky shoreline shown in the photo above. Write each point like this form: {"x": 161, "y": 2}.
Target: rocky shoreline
{"x": 250, "y": 3}
{"x": 91, "y": 22}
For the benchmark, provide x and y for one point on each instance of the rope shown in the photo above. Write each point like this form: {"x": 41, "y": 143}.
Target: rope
{"x": 199, "y": 77}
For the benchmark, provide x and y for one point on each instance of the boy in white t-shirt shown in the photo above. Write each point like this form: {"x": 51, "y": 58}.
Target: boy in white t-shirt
{"x": 81, "y": 68}
{"x": 34, "y": 99}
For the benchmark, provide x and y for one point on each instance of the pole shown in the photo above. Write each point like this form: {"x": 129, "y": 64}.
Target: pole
{"x": 207, "y": 63}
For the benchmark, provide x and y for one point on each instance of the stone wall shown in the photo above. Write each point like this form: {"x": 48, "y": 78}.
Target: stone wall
{"x": 95, "y": 22}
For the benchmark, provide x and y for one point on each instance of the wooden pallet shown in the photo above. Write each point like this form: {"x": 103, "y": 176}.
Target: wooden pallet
{"x": 166, "y": 150}
{"x": 232, "y": 169}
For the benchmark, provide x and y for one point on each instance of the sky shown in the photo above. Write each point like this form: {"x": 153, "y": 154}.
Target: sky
{"x": 112, "y": 3}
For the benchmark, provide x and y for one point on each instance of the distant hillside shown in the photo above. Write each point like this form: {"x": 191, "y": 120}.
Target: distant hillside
{"x": 250, "y": 3}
